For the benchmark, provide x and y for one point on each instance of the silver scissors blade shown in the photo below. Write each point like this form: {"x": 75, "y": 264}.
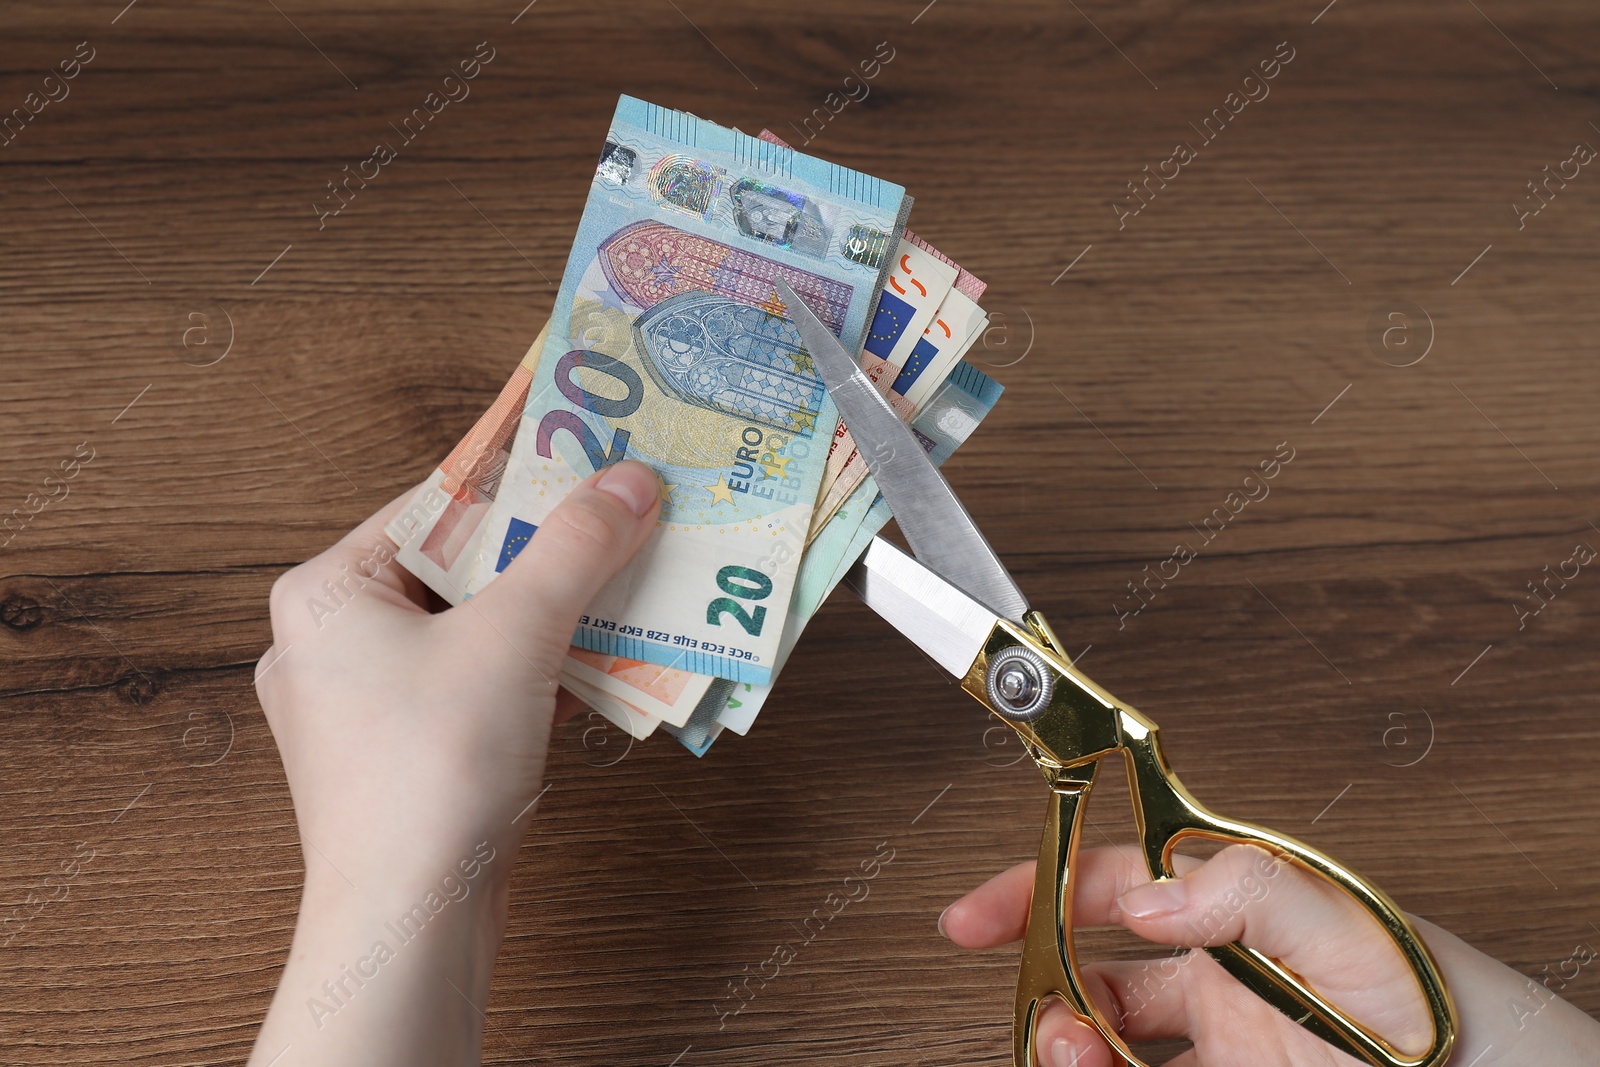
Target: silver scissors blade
{"x": 940, "y": 619}
{"x": 937, "y": 527}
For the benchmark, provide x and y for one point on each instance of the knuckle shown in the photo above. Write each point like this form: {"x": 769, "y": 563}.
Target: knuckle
{"x": 1240, "y": 860}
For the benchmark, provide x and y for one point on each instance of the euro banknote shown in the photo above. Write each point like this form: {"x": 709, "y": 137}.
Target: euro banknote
{"x": 668, "y": 344}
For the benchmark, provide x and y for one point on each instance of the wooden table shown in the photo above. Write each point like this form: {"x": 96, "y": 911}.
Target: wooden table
{"x": 1343, "y": 661}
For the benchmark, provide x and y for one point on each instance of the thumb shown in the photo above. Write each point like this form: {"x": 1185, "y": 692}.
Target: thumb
{"x": 578, "y": 548}
{"x": 1243, "y": 893}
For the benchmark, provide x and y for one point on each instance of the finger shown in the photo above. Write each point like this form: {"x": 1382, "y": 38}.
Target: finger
{"x": 1063, "y": 1040}
{"x": 536, "y": 601}
{"x": 1140, "y": 1000}
{"x": 996, "y": 913}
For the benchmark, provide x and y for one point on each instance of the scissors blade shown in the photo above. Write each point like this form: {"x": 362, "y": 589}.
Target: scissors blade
{"x": 937, "y": 527}
{"x": 940, "y": 619}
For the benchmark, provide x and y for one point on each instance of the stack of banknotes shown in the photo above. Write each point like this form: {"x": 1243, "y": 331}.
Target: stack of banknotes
{"x": 668, "y": 344}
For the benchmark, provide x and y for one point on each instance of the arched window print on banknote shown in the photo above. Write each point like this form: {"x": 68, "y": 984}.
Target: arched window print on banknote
{"x": 716, "y": 353}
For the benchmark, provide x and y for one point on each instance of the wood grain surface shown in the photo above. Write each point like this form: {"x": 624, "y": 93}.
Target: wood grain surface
{"x": 1344, "y": 661}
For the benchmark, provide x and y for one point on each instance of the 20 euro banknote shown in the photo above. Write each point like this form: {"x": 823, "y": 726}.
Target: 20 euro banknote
{"x": 668, "y": 344}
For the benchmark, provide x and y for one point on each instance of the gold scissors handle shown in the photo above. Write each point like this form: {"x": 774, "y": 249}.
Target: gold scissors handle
{"x": 1070, "y": 725}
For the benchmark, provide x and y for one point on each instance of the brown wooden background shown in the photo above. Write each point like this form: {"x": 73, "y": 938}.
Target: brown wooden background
{"x": 1219, "y": 323}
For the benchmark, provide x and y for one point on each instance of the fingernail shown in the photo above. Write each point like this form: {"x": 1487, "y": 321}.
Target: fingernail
{"x": 632, "y": 483}
{"x": 1154, "y": 898}
{"x": 1063, "y": 1053}
{"x": 942, "y": 914}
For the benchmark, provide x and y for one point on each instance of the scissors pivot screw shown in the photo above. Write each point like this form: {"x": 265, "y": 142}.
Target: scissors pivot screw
{"x": 1019, "y": 683}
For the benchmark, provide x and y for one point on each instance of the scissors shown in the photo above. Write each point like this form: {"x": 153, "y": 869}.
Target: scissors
{"x": 956, "y": 601}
